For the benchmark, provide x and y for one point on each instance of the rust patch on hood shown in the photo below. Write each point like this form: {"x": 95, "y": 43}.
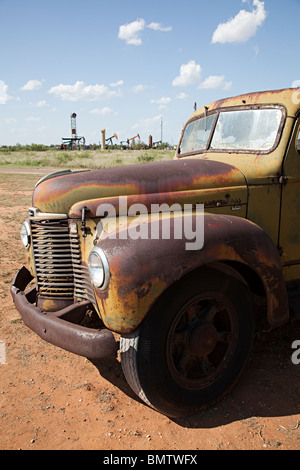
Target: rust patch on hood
{"x": 59, "y": 194}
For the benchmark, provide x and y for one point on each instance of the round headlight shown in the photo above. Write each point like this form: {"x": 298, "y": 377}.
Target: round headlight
{"x": 25, "y": 234}
{"x": 98, "y": 268}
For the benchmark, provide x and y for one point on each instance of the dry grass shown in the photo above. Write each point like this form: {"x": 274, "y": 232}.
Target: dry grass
{"x": 91, "y": 159}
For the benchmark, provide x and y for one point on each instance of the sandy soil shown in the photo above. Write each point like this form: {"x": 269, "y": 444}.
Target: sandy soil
{"x": 51, "y": 399}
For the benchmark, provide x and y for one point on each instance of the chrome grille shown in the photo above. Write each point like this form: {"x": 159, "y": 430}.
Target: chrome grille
{"x": 59, "y": 270}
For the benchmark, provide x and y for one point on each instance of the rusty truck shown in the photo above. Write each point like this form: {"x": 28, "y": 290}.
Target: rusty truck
{"x": 180, "y": 320}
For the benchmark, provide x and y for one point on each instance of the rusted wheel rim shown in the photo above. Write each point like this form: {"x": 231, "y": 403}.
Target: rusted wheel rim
{"x": 202, "y": 340}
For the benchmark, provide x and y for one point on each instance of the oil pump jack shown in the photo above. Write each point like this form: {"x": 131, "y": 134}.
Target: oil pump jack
{"x": 109, "y": 139}
{"x": 125, "y": 144}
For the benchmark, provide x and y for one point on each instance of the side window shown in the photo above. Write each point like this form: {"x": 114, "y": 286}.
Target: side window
{"x": 298, "y": 142}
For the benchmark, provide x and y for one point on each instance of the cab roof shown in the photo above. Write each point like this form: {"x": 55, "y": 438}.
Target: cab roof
{"x": 288, "y": 97}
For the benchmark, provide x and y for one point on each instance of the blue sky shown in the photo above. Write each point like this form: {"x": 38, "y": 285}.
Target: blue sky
{"x": 132, "y": 66}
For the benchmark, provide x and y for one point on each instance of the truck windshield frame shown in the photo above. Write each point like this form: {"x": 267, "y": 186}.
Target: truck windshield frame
{"x": 244, "y": 129}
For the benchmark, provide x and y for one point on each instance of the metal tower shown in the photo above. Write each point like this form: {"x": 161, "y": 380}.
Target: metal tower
{"x": 73, "y": 125}
{"x": 75, "y": 141}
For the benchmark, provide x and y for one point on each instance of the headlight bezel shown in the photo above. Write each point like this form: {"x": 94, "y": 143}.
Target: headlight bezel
{"x": 104, "y": 277}
{"x": 26, "y": 235}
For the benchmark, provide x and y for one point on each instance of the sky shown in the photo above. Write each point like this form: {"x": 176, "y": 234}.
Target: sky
{"x": 135, "y": 68}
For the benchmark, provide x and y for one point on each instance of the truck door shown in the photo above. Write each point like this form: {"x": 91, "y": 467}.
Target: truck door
{"x": 289, "y": 234}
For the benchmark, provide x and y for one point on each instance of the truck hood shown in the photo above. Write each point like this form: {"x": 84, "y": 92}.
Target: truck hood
{"x": 207, "y": 182}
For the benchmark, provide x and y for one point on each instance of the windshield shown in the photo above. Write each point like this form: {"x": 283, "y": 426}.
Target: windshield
{"x": 242, "y": 130}
{"x": 197, "y": 134}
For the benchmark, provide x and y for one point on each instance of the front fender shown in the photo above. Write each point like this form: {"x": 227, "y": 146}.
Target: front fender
{"x": 142, "y": 269}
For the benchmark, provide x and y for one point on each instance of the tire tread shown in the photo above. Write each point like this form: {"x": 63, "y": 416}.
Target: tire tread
{"x": 128, "y": 350}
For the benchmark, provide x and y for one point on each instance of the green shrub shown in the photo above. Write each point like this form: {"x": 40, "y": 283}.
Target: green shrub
{"x": 64, "y": 157}
{"x": 145, "y": 158}
{"x": 32, "y": 162}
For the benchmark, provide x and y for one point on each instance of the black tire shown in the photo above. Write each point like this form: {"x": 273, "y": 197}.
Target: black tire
{"x": 192, "y": 346}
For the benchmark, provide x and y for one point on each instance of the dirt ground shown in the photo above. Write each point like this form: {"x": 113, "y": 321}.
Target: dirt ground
{"x": 52, "y": 399}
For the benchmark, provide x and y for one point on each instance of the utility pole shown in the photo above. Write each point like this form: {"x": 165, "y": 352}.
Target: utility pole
{"x": 161, "y": 129}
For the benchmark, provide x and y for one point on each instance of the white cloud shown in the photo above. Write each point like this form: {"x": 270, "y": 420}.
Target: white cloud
{"x": 190, "y": 73}
{"x": 163, "y": 100}
{"x": 116, "y": 84}
{"x": 10, "y": 120}
{"x": 148, "y": 125}
{"x": 181, "y": 96}
{"x": 296, "y": 84}
{"x": 41, "y": 103}
{"x": 32, "y": 119}
{"x": 4, "y": 96}
{"x": 139, "y": 88}
{"x": 159, "y": 27}
{"x": 214, "y": 82}
{"x": 243, "y": 26}
{"x": 32, "y": 85}
{"x": 130, "y": 32}
{"x": 80, "y": 91}
{"x": 103, "y": 112}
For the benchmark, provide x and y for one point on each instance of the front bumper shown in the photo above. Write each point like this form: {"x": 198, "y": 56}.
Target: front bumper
{"x": 61, "y": 328}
